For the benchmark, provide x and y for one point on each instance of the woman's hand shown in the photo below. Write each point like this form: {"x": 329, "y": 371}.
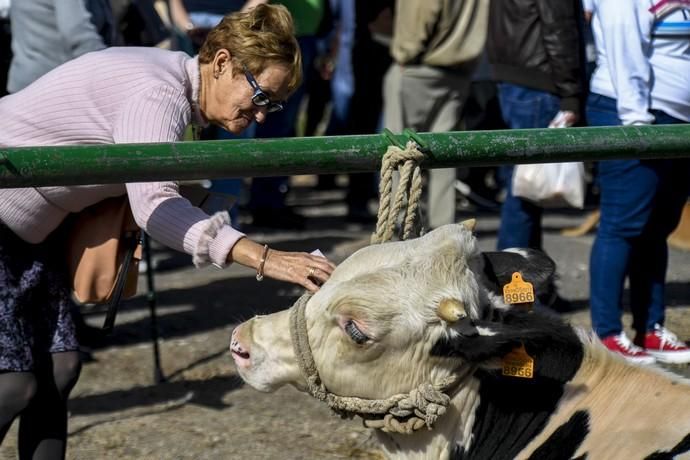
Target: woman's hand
{"x": 300, "y": 268}
{"x": 307, "y": 270}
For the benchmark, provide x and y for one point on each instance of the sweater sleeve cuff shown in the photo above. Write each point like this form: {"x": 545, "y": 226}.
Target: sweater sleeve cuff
{"x": 571, "y": 104}
{"x": 216, "y": 240}
{"x": 220, "y": 247}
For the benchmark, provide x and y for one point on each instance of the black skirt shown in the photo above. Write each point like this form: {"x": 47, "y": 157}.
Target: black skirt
{"x": 35, "y": 305}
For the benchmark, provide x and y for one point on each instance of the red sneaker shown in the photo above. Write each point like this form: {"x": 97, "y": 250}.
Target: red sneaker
{"x": 622, "y": 345}
{"x": 665, "y": 346}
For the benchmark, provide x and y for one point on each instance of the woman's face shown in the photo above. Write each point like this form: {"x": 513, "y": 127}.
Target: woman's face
{"x": 228, "y": 102}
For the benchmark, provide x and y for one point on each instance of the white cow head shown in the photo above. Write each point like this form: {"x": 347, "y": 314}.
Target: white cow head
{"x": 375, "y": 326}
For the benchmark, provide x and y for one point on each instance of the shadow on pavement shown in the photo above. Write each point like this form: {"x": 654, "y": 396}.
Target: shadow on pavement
{"x": 208, "y": 393}
{"x": 168, "y": 396}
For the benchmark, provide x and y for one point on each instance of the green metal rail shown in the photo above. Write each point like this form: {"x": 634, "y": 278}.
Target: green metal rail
{"x": 101, "y": 164}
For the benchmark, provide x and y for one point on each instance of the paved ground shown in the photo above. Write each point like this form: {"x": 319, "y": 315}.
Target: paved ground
{"x": 202, "y": 410}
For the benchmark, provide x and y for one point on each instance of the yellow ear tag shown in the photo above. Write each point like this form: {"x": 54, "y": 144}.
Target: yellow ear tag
{"x": 518, "y": 291}
{"x": 518, "y": 363}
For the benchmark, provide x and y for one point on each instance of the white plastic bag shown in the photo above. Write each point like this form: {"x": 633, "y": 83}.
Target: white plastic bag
{"x": 551, "y": 185}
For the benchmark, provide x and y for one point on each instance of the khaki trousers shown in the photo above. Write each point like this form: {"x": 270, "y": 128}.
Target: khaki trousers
{"x": 428, "y": 99}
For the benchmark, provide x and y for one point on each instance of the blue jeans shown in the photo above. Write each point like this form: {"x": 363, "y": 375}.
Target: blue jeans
{"x": 522, "y": 108}
{"x": 641, "y": 202}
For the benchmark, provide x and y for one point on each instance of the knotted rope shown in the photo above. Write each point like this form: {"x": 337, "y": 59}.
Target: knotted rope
{"x": 407, "y": 163}
{"x": 401, "y": 413}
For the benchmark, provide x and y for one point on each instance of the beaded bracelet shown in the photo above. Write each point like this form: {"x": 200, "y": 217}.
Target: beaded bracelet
{"x": 262, "y": 262}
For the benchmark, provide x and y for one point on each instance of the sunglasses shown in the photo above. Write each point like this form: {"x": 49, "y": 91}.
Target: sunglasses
{"x": 259, "y": 98}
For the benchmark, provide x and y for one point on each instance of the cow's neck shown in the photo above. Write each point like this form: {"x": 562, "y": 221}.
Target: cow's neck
{"x": 510, "y": 413}
{"x": 489, "y": 417}
{"x": 451, "y": 430}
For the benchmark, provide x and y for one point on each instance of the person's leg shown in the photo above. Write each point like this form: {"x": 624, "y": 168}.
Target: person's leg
{"x": 450, "y": 96}
{"x": 341, "y": 92}
{"x": 610, "y": 253}
{"x": 393, "y": 100}
{"x": 361, "y": 187}
{"x": 433, "y": 100}
{"x": 55, "y": 359}
{"x": 441, "y": 197}
{"x": 357, "y": 105}
{"x": 35, "y": 320}
{"x": 267, "y": 194}
{"x": 520, "y": 225}
{"x": 341, "y": 96}
{"x": 16, "y": 391}
{"x": 43, "y": 425}
{"x": 18, "y": 275}
{"x": 229, "y": 190}
{"x": 318, "y": 98}
{"x": 522, "y": 108}
{"x": 626, "y": 198}
{"x": 649, "y": 260}
{"x": 370, "y": 62}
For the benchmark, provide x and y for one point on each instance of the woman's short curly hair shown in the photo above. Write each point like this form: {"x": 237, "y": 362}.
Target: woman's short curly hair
{"x": 257, "y": 38}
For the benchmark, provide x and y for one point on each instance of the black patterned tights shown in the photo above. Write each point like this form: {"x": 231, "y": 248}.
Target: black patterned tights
{"x": 40, "y": 401}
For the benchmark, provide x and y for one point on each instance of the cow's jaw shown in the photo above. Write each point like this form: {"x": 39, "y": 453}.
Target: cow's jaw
{"x": 263, "y": 354}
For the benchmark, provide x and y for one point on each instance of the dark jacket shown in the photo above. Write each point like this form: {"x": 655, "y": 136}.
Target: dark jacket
{"x": 537, "y": 44}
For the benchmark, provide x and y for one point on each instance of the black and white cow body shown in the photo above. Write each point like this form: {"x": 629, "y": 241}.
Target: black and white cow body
{"x": 397, "y": 316}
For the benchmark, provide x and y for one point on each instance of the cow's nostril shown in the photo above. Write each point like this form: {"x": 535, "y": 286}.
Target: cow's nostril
{"x": 237, "y": 349}
{"x": 241, "y": 354}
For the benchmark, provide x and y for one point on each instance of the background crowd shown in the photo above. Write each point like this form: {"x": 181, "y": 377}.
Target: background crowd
{"x": 441, "y": 66}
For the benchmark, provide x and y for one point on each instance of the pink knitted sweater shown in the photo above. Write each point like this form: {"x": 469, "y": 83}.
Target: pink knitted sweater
{"x": 118, "y": 95}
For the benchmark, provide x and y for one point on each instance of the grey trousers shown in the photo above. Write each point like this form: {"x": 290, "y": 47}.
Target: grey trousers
{"x": 428, "y": 99}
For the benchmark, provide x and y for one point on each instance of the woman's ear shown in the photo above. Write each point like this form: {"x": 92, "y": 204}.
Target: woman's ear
{"x": 222, "y": 62}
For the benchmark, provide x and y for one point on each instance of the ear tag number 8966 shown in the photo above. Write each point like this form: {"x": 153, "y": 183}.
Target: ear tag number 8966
{"x": 518, "y": 291}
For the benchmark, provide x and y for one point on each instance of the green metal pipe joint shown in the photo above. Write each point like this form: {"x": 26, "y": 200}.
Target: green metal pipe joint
{"x": 119, "y": 163}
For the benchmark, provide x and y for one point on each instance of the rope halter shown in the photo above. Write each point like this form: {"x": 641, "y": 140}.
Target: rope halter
{"x": 401, "y": 413}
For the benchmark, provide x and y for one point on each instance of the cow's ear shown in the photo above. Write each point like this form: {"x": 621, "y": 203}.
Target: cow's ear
{"x": 552, "y": 344}
{"x": 497, "y": 268}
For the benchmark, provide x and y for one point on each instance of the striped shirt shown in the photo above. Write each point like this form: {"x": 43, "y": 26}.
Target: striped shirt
{"x": 118, "y": 95}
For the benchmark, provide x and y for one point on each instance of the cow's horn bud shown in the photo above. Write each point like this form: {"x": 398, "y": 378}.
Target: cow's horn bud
{"x": 469, "y": 224}
{"x": 451, "y": 310}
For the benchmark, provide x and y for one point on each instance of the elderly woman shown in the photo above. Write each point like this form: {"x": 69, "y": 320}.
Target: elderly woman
{"x": 246, "y": 69}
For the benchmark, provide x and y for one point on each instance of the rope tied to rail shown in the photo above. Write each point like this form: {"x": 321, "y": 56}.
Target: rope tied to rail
{"x": 407, "y": 162}
{"x": 400, "y": 413}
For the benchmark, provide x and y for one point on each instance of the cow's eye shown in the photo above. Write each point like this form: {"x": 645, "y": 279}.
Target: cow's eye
{"x": 356, "y": 335}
